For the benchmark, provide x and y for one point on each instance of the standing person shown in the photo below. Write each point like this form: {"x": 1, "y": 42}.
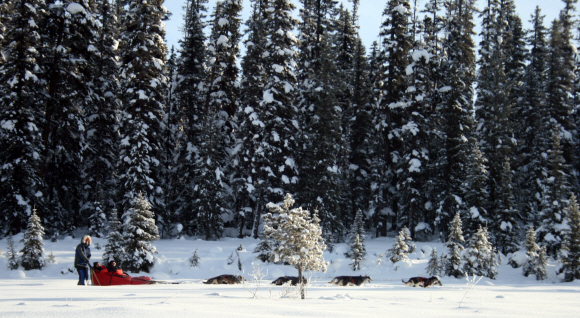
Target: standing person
{"x": 82, "y": 259}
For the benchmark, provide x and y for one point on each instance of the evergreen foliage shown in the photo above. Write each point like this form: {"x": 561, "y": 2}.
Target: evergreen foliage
{"x": 194, "y": 259}
{"x": 399, "y": 250}
{"x": 434, "y": 267}
{"x": 454, "y": 244}
{"x": 97, "y": 221}
{"x": 532, "y": 250}
{"x": 356, "y": 236}
{"x": 479, "y": 258}
{"x": 357, "y": 253}
{"x": 11, "y": 254}
{"x": 542, "y": 264}
{"x": 139, "y": 231}
{"x": 114, "y": 247}
{"x": 33, "y": 248}
{"x": 298, "y": 235}
{"x": 571, "y": 246}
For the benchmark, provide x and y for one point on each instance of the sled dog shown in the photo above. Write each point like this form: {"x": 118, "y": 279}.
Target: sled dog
{"x": 422, "y": 281}
{"x": 226, "y": 279}
{"x": 350, "y": 280}
{"x": 292, "y": 279}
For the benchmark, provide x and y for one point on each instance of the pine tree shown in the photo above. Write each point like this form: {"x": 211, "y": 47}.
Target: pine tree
{"x": 356, "y": 236}
{"x": 408, "y": 239}
{"x": 505, "y": 222}
{"x": 194, "y": 259}
{"x": 21, "y": 117}
{"x": 69, "y": 34}
{"x": 479, "y": 258}
{"x": 535, "y": 128}
{"x": 399, "y": 250}
{"x": 97, "y": 221}
{"x": 114, "y": 249}
{"x": 541, "y": 271}
{"x": 433, "y": 266}
{"x": 476, "y": 195}
{"x": 532, "y": 250}
{"x": 571, "y": 245}
{"x": 11, "y": 254}
{"x": 139, "y": 231}
{"x": 279, "y": 146}
{"x": 299, "y": 237}
{"x": 190, "y": 97}
{"x": 33, "y": 249}
{"x": 458, "y": 76}
{"x": 357, "y": 253}
{"x": 264, "y": 248}
{"x": 552, "y": 215}
{"x": 321, "y": 116}
{"x": 454, "y": 244}
{"x": 102, "y": 127}
{"x": 144, "y": 87}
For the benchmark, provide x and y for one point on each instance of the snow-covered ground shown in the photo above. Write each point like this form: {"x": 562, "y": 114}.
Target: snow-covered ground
{"x": 48, "y": 293}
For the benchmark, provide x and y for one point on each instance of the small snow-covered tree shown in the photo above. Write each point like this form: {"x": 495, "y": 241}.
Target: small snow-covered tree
{"x": 541, "y": 264}
{"x": 532, "y": 250}
{"x": 454, "y": 244}
{"x": 356, "y": 237}
{"x": 139, "y": 230}
{"x": 299, "y": 236}
{"x": 194, "y": 259}
{"x": 114, "y": 249}
{"x": 433, "y": 266}
{"x": 264, "y": 248}
{"x": 479, "y": 258}
{"x": 11, "y": 254}
{"x": 571, "y": 246}
{"x": 97, "y": 220}
{"x": 357, "y": 252}
{"x": 33, "y": 250}
{"x": 399, "y": 250}
{"x": 408, "y": 240}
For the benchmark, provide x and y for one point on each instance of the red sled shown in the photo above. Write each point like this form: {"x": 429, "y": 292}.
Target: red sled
{"x": 105, "y": 278}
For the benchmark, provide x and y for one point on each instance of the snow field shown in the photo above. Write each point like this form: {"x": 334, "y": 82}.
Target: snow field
{"x": 48, "y": 293}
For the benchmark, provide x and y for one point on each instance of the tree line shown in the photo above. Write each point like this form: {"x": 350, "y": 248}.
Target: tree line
{"x": 421, "y": 126}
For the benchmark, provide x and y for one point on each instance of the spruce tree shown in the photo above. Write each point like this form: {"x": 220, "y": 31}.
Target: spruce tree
{"x": 144, "y": 87}
{"x": 454, "y": 244}
{"x": 571, "y": 245}
{"x": 357, "y": 252}
{"x": 69, "y": 34}
{"x": 433, "y": 266}
{"x": 113, "y": 248}
{"x": 190, "y": 96}
{"x": 194, "y": 259}
{"x": 399, "y": 250}
{"x": 97, "y": 221}
{"x": 458, "y": 76}
{"x": 139, "y": 231}
{"x": 408, "y": 239}
{"x": 476, "y": 195}
{"x": 542, "y": 263}
{"x": 21, "y": 117}
{"x": 33, "y": 249}
{"x": 505, "y": 220}
{"x": 11, "y": 254}
{"x": 532, "y": 250}
{"x": 479, "y": 258}
{"x": 552, "y": 215}
{"x": 356, "y": 236}
{"x": 102, "y": 127}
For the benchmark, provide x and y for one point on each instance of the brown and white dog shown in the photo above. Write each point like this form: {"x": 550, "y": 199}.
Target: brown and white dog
{"x": 226, "y": 279}
{"x": 285, "y": 279}
{"x": 350, "y": 280}
{"x": 422, "y": 281}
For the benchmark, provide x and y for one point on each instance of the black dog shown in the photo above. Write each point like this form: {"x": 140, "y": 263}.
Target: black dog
{"x": 423, "y": 282}
{"x": 292, "y": 279}
{"x": 226, "y": 279}
{"x": 350, "y": 280}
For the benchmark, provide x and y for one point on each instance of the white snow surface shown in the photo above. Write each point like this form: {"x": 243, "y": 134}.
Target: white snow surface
{"x": 48, "y": 293}
{"x": 75, "y": 8}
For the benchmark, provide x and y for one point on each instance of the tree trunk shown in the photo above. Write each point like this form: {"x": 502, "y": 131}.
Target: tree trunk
{"x": 301, "y": 283}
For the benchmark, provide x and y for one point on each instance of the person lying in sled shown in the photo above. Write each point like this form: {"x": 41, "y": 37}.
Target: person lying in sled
{"x": 110, "y": 268}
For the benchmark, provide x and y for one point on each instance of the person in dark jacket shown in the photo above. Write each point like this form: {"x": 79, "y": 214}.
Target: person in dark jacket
{"x": 112, "y": 268}
{"x": 82, "y": 259}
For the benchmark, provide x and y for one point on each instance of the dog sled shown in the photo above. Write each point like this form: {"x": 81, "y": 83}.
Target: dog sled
{"x": 105, "y": 278}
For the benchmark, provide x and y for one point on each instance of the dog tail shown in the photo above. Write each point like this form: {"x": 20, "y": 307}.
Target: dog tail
{"x": 332, "y": 281}
{"x": 403, "y": 281}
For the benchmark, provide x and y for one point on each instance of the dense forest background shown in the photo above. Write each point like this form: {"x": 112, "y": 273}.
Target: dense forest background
{"x": 424, "y": 124}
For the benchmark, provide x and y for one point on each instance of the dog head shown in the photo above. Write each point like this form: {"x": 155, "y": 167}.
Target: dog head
{"x": 434, "y": 280}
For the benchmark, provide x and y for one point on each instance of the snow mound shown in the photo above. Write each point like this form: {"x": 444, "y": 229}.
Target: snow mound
{"x": 74, "y": 8}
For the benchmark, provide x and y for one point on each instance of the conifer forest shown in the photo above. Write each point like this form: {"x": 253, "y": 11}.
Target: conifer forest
{"x": 97, "y": 114}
